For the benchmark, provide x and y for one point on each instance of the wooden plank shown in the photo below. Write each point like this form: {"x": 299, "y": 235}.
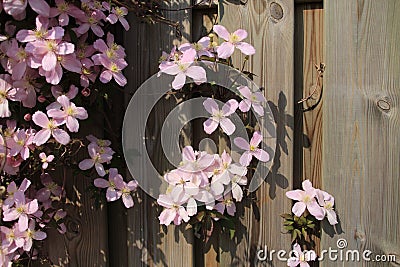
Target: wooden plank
{"x": 147, "y": 243}
{"x": 308, "y": 119}
{"x": 362, "y": 126}
{"x": 86, "y": 241}
{"x": 270, "y": 25}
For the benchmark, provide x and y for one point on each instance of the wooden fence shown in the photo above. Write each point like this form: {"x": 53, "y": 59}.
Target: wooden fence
{"x": 347, "y": 143}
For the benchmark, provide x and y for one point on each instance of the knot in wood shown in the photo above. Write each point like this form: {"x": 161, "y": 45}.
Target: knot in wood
{"x": 276, "y": 11}
{"x": 384, "y": 104}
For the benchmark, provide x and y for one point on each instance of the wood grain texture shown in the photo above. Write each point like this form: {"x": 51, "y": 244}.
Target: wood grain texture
{"x": 308, "y": 52}
{"x": 361, "y": 124}
{"x": 148, "y": 244}
{"x": 270, "y": 25}
{"x": 86, "y": 241}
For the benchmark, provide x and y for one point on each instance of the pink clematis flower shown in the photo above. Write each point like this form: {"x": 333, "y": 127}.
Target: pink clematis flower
{"x": 58, "y": 216}
{"x": 50, "y": 188}
{"x": 173, "y": 212}
{"x": 126, "y": 190}
{"x": 252, "y": 99}
{"x": 45, "y": 160}
{"x": 98, "y": 156}
{"x": 219, "y": 117}
{"x": 28, "y": 86}
{"x": 202, "y": 47}
{"x": 93, "y": 22}
{"x": 118, "y": 14}
{"x": 7, "y": 92}
{"x": 31, "y": 234}
{"x": 196, "y": 164}
{"x": 182, "y": 184}
{"x": 327, "y": 201}
{"x": 12, "y": 189}
{"x": 64, "y": 10}
{"x": 233, "y": 40}
{"x": 21, "y": 143}
{"x": 17, "y": 59}
{"x": 42, "y": 32}
{"x": 114, "y": 180}
{"x": 17, "y": 8}
{"x": 300, "y": 258}
{"x": 183, "y": 68}
{"x": 226, "y": 203}
{"x": 50, "y": 128}
{"x": 114, "y": 70}
{"x": 69, "y": 113}
{"x": 224, "y": 173}
{"x": 306, "y": 200}
{"x": 12, "y": 239}
{"x": 21, "y": 211}
{"x": 251, "y": 149}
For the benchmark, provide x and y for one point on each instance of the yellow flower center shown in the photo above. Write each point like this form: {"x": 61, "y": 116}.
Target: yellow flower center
{"x": 51, "y": 125}
{"x": 119, "y": 12}
{"x": 252, "y": 148}
{"x": 114, "y": 68}
{"x": 71, "y": 111}
{"x": 63, "y": 7}
{"x": 233, "y": 38}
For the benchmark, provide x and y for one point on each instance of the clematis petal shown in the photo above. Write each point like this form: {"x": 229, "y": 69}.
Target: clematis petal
{"x": 240, "y": 142}
{"x": 221, "y": 31}
{"x": 299, "y": 208}
{"x": 229, "y": 107}
{"x": 227, "y": 126}
{"x": 210, "y": 125}
{"x": 246, "y": 48}
{"x": 225, "y": 50}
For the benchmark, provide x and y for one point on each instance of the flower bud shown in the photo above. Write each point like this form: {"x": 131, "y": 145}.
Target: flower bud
{"x": 85, "y": 92}
{"x": 27, "y": 117}
{"x": 41, "y": 98}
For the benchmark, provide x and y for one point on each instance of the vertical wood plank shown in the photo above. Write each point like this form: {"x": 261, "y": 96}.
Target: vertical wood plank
{"x": 362, "y": 126}
{"x": 308, "y": 52}
{"x": 86, "y": 241}
{"x": 147, "y": 243}
{"x": 270, "y": 25}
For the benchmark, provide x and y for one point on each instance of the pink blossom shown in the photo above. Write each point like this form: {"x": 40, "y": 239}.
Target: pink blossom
{"x": 16, "y": 8}
{"x": 31, "y": 234}
{"x": 69, "y": 113}
{"x": 173, "y": 212}
{"x": 12, "y": 189}
{"x": 233, "y": 40}
{"x": 202, "y": 47}
{"x": 17, "y": 59}
{"x": 64, "y": 10}
{"x": 45, "y": 160}
{"x": 306, "y": 200}
{"x": 13, "y": 238}
{"x": 57, "y": 91}
{"x": 93, "y": 22}
{"x": 196, "y": 163}
{"x": 28, "y": 86}
{"x": 183, "y": 68}
{"x": 300, "y": 257}
{"x": 118, "y": 14}
{"x": 252, "y": 99}
{"x": 100, "y": 142}
{"x": 58, "y": 216}
{"x": 110, "y": 51}
{"x": 98, "y": 156}
{"x": 50, "y": 128}
{"x": 225, "y": 174}
{"x": 21, "y": 211}
{"x": 21, "y": 143}
{"x": 7, "y": 92}
{"x": 41, "y": 32}
{"x": 327, "y": 201}
{"x": 50, "y": 188}
{"x": 226, "y": 203}
{"x": 113, "y": 70}
{"x": 219, "y": 116}
{"x": 183, "y": 187}
{"x": 114, "y": 180}
{"x": 126, "y": 190}
{"x": 251, "y": 149}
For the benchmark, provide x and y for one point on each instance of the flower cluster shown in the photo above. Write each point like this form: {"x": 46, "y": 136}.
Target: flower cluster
{"x": 55, "y": 58}
{"x": 211, "y": 181}
{"x": 317, "y": 202}
{"x": 182, "y": 61}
